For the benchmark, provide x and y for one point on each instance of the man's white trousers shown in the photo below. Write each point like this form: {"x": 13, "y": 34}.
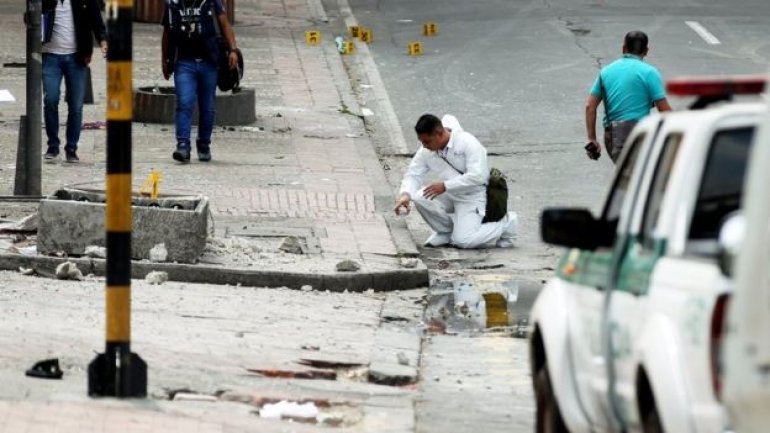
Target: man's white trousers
{"x": 461, "y": 218}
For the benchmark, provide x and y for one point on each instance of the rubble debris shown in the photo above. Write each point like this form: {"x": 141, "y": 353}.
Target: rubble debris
{"x": 27, "y": 224}
{"x": 304, "y": 412}
{"x": 409, "y": 263}
{"x": 392, "y": 374}
{"x": 330, "y": 419}
{"x": 306, "y": 288}
{"x": 96, "y": 252}
{"x": 389, "y": 319}
{"x": 158, "y": 253}
{"x": 189, "y": 396}
{"x": 348, "y": 266}
{"x": 156, "y": 277}
{"x": 68, "y": 271}
{"x": 46, "y": 369}
{"x": 310, "y": 347}
{"x": 324, "y": 364}
{"x": 296, "y": 374}
{"x": 26, "y": 271}
{"x": 291, "y": 245}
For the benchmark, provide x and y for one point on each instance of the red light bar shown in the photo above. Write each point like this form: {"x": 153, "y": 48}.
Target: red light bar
{"x": 716, "y": 86}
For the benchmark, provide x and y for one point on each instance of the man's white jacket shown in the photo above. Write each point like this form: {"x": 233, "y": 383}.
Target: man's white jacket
{"x": 465, "y": 153}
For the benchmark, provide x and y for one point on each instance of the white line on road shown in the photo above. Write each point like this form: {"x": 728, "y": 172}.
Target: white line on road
{"x": 703, "y": 33}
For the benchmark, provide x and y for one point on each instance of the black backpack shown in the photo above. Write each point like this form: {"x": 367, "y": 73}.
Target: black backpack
{"x": 229, "y": 79}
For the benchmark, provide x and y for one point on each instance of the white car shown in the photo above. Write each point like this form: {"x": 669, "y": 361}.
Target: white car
{"x": 747, "y": 336}
{"x": 626, "y": 336}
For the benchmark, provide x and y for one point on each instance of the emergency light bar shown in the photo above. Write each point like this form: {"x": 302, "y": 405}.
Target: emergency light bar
{"x": 714, "y": 89}
{"x": 716, "y": 86}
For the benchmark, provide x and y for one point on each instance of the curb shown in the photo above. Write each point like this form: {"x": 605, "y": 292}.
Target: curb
{"x": 383, "y": 281}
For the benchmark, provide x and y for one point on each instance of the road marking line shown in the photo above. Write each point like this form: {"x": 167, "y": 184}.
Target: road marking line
{"x": 702, "y": 32}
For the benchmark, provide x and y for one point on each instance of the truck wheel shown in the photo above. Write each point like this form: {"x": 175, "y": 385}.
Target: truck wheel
{"x": 651, "y": 422}
{"x": 548, "y": 417}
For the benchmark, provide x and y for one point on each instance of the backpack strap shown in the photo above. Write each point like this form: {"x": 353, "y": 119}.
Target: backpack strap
{"x": 450, "y": 164}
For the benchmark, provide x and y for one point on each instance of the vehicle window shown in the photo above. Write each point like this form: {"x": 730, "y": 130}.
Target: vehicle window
{"x": 658, "y": 188}
{"x": 615, "y": 202}
{"x": 721, "y": 186}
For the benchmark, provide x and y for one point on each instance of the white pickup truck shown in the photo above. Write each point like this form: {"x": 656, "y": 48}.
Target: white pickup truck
{"x": 747, "y": 335}
{"x": 626, "y": 336}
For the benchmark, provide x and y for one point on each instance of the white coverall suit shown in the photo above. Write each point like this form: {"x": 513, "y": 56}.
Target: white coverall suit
{"x": 458, "y": 212}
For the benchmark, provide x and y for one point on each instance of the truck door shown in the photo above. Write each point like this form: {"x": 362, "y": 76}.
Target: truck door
{"x": 586, "y": 345}
{"x": 628, "y": 302}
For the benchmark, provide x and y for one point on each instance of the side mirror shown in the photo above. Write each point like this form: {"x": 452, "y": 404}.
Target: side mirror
{"x": 731, "y": 236}
{"x": 575, "y": 228}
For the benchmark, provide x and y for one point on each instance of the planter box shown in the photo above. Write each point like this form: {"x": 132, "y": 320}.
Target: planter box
{"x": 158, "y": 105}
{"x": 72, "y": 219}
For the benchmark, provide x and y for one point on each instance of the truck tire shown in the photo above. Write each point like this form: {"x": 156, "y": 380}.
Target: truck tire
{"x": 548, "y": 417}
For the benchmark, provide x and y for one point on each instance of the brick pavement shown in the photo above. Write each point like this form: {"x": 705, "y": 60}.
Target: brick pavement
{"x": 309, "y": 163}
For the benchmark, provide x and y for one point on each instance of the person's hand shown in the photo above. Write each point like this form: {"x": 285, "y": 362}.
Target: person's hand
{"x": 593, "y": 150}
{"x": 103, "y": 46}
{"x": 434, "y": 190}
{"x": 166, "y": 69}
{"x": 402, "y": 203}
{"x": 232, "y": 59}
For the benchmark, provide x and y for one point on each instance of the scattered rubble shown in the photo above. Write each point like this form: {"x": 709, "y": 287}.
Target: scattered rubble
{"x": 348, "y": 266}
{"x": 305, "y": 412}
{"x": 96, "y": 252}
{"x": 306, "y": 288}
{"x": 409, "y": 263}
{"x": 291, "y": 245}
{"x": 158, "y": 253}
{"x": 68, "y": 271}
{"x": 156, "y": 277}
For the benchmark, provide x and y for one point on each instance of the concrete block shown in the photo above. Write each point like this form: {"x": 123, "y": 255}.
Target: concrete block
{"x": 72, "y": 219}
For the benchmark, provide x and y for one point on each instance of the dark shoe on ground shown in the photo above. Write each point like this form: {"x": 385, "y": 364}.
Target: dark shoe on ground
{"x": 204, "y": 152}
{"x": 181, "y": 155}
{"x": 72, "y": 157}
{"x": 51, "y": 153}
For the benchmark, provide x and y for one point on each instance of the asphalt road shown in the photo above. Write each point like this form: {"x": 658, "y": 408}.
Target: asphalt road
{"x": 516, "y": 74}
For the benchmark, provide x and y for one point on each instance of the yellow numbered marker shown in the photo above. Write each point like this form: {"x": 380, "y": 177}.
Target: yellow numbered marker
{"x": 354, "y": 30}
{"x": 430, "y": 29}
{"x": 366, "y": 35}
{"x": 415, "y": 49}
{"x": 150, "y": 187}
{"x": 312, "y": 37}
{"x": 348, "y": 47}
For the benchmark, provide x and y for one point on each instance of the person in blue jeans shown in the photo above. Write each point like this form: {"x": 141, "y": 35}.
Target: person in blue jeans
{"x": 68, "y": 36}
{"x": 190, "y": 51}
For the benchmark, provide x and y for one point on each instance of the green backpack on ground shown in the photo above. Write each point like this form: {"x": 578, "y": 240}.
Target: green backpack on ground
{"x": 497, "y": 196}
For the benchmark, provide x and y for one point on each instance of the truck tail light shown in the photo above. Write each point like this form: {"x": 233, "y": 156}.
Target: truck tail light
{"x": 717, "y": 332}
{"x": 717, "y": 86}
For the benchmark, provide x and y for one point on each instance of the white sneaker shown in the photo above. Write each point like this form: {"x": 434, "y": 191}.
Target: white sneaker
{"x": 438, "y": 240}
{"x": 509, "y": 234}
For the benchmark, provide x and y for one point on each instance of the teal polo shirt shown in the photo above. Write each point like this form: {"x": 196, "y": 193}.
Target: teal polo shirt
{"x": 632, "y": 85}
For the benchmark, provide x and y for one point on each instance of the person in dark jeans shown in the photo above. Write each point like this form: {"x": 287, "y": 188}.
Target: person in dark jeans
{"x": 68, "y": 32}
{"x": 190, "y": 51}
{"x": 628, "y": 87}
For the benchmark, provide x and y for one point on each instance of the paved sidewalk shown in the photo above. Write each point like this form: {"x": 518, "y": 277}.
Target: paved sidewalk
{"x": 204, "y": 346}
{"x": 305, "y": 167}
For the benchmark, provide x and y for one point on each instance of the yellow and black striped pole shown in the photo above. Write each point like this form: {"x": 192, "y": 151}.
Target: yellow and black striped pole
{"x": 118, "y": 372}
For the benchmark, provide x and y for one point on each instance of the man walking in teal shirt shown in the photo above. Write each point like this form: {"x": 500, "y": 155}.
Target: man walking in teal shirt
{"x": 628, "y": 87}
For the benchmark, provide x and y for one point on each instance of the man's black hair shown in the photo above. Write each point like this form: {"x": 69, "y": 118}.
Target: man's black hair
{"x": 636, "y": 42}
{"x": 427, "y": 123}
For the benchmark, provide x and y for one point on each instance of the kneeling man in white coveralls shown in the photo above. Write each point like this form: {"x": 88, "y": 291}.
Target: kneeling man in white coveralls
{"x": 455, "y": 205}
